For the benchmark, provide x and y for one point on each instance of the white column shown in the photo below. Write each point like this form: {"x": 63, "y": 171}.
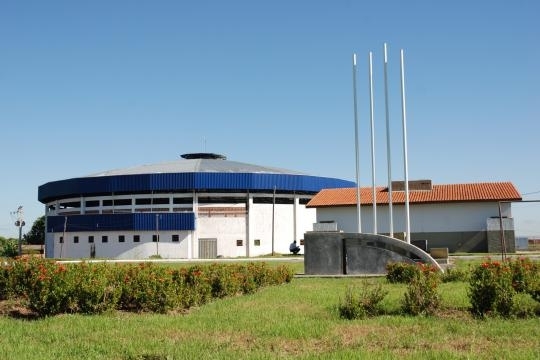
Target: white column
{"x": 295, "y": 217}
{"x": 388, "y": 147}
{"x": 372, "y": 121}
{"x": 357, "y": 151}
{"x": 405, "y": 157}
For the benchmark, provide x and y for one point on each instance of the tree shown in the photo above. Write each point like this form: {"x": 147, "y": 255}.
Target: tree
{"x": 36, "y": 236}
{"x": 8, "y": 247}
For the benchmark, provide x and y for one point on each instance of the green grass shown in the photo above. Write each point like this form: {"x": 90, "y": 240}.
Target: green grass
{"x": 297, "y": 320}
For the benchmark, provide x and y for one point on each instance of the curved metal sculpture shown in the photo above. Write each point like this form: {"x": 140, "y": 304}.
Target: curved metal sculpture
{"x": 332, "y": 253}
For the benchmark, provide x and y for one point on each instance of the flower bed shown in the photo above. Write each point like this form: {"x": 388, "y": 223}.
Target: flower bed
{"x": 50, "y": 288}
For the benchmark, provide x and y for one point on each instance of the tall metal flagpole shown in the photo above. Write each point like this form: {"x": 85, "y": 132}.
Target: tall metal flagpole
{"x": 405, "y": 161}
{"x": 388, "y": 155}
{"x": 371, "y": 117}
{"x": 358, "y": 214}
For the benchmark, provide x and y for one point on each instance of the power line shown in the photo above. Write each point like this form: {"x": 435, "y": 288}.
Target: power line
{"x": 531, "y": 193}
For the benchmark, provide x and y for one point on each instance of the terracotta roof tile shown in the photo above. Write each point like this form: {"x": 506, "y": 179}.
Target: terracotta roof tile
{"x": 493, "y": 191}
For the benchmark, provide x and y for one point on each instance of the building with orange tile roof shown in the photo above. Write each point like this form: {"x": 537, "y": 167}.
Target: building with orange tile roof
{"x": 461, "y": 217}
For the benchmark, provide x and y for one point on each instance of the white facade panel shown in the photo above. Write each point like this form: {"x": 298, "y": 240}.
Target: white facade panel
{"x": 447, "y": 217}
{"x": 283, "y": 228}
{"x": 113, "y": 248}
{"x": 227, "y": 230}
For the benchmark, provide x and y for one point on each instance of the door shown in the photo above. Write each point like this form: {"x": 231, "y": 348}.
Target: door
{"x": 207, "y": 248}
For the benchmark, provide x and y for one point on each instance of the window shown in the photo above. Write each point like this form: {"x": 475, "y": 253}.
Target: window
{"x": 303, "y": 201}
{"x": 92, "y": 203}
{"x": 222, "y": 200}
{"x": 160, "y": 201}
{"x": 122, "y": 202}
{"x": 71, "y": 204}
{"x": 104, "y": 239}
{"x": 117, "y": 202}
{"x": 61, "y": 239}
{"x": 257, "y": 242}
{"x": 75, "y": 239}
{"x": 145, "y": 201}
{"x": 183, "y": 200}
{"x": 121, "y": 238}
{"x": 270, "y": 200}
{"x": 155, "y": 238}
{"x": 136, "y": 238}
{"x": 91, "y": 239}
{"x": 239, "y": 242}
{"x": 175, "y": 238}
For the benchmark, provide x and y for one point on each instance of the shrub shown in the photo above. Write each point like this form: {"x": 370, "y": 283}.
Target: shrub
{"x": 197, "y": 289}
{"x": 18, "y": 276}
{"x": 534, "y": 288}
{"x": 525, "y": 275}
{"x": 490, "y": 289}
{"x": 365, "y": 303}
{"x": 455, "y": 274}
{"x": 422, "y": 296}
{"x": 4, "y": 276}
{"x": 224, "y": 280}
{"x": 51, "y": 288}
{"x": 96, "y": 289}
{"x": 8, "y": 248}
{"x": 146, "y": 287}
{"x": 401, "y": 273}
{"x": 524, "y": 306}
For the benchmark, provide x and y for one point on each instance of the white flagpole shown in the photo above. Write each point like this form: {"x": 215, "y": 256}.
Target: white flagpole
{"x": 371, "y": 117}
{"x": 359, "y": 221}
{"x": 388, "y": 155}
{"x": 405, "y": 161}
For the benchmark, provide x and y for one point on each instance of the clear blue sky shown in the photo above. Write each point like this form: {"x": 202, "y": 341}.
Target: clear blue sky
{"x": 87, "y": 86}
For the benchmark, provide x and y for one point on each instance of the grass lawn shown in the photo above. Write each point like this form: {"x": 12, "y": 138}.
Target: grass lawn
{"x": 296, "y": 320}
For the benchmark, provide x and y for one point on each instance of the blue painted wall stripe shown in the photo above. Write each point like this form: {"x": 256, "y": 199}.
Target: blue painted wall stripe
{"x": 122, "y": 222}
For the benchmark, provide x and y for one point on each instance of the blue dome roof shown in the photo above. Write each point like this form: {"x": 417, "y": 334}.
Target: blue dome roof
{"x": 198, "y": 172}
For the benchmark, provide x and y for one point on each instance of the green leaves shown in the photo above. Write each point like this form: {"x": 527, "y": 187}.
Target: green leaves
{"x": 51, "y": 288}
{"x": 493, "y": 286}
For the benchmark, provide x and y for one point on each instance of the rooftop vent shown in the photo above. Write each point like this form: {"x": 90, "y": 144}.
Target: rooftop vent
{"x": 413, "y": 185}
{"x": 212, "y": 156}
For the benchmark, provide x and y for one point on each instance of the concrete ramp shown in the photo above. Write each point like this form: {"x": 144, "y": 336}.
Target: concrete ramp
{"x": 334, "y": 253}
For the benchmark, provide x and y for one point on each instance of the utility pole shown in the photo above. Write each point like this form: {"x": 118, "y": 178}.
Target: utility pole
{"x": 19, "y": 223}
{"x": 157, "y": 234}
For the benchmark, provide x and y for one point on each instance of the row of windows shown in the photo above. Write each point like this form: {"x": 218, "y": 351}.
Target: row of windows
{"x": 121, "y": 238}
{"x": 176, "y": 201}
{"x": 155, "y": 238}
{"x": 126, "y": 202}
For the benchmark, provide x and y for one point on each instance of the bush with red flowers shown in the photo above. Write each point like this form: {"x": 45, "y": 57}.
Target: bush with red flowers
{"x": 49, "y": 287}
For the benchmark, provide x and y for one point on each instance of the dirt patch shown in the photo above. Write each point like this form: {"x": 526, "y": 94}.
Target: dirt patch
{"x": 16, "y": 309}
{"x": 457, "y": 314}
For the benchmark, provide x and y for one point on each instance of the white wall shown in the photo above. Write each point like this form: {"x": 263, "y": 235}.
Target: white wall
{"x": 226, "y": 229}
{"x": 447, "y": 217}
{"x": 261, "y": 215}
{"x": 120, "y": 250}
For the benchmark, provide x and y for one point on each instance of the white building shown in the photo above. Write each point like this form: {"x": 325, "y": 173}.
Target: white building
{"x": 461, "y": 217}
{"x": 201, "y": 206}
